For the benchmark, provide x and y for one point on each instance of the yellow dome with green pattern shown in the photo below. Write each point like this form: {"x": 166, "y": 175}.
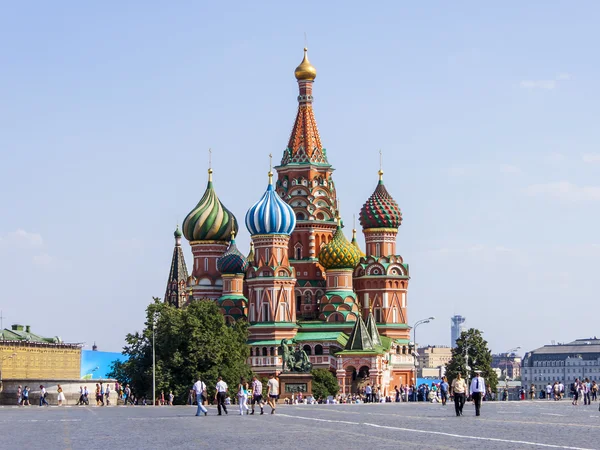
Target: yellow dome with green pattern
{"x": 339, "y": 253}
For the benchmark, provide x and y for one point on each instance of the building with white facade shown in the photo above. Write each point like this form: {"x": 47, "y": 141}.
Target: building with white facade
{"x": 562, "y": 362}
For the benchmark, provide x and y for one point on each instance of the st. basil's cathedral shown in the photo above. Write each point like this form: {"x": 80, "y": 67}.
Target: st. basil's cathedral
{"x": 302, "y": 279}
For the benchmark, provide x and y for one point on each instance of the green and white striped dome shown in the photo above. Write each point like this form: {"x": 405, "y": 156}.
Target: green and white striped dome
{"x": 210, "y": 220}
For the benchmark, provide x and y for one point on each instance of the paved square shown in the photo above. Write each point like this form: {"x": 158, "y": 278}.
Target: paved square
{"x": 508, "y": 425}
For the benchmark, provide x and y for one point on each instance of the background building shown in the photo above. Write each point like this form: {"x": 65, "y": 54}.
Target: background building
{"x": 25, "y": 355}
{"x": 456, "y": 329}
{"x": 508, "y": 364}
{"x": 562, "y": 362}
{"x": 432, "y": 361}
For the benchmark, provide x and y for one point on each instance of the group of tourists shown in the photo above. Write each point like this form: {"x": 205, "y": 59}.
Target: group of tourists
{"x": 245, "y": 391}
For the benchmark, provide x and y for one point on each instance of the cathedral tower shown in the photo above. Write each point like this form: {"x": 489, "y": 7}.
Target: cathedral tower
{"x": 381, "y": 277}
{"x": 208, "y": 228}
{"x": 305, "y": 183}
{"x": 176, "y": 293}
{"x": 270, "y": 279}
{"x": 233, "y": 266}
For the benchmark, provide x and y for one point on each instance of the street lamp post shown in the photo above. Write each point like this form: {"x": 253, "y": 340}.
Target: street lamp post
{"x": 153, "y": 362}
{"x": 415, "y": 352}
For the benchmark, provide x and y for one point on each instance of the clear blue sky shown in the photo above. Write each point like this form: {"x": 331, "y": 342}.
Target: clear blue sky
{"x": 487, "y": 116}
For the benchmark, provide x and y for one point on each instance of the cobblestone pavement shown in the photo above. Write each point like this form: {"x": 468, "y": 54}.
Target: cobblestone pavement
{"x": 508, "y": 425}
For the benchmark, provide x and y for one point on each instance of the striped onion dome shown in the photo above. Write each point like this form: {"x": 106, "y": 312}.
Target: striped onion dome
{"x": 232, "y": 261}
{"x": 339, "y": 253}
{"x": 380, "y": 210}
{"x": 270, "y": 215}
{"x": 209, "y": 220}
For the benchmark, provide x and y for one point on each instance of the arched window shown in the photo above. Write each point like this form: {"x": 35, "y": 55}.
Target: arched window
{"x": 394, "y": 315}
{"x": 318, "y": 349}
{"x": 265, "y": 312}
{"x": 272, "y": 351}
{"x": 206, "y": 264}
{"x": 299, "y": 252}
{"x": 377, "y": 315}
{"x": 307, "y": 349}
{"x": 308, "y": 298}
{"x": 264, "y": 351}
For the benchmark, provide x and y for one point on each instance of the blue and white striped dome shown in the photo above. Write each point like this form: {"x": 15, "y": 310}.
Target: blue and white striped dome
{"x": 270, "y": 215}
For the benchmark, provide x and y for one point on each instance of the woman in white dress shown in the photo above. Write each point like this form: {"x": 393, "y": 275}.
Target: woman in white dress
{"x": 243, "y": 396}
{"x": 61, "y": 395}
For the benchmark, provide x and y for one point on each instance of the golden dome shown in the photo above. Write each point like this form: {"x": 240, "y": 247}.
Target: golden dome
{"x": 305, "y": 71}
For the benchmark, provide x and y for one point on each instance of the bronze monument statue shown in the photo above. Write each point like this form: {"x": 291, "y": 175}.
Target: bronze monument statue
{"x": 294, "y": 360}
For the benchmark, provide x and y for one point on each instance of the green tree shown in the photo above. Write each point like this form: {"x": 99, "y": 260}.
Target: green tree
{"x": 324, "y": 383}
{"x": 471, "y": 343}
{"x": 190, "y": 343}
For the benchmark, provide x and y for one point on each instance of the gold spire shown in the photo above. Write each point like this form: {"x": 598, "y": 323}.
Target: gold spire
{"x": 270, "y": 168}
{"x": 305, "y": 71}
{"x": 210, "y": 165}
{"x": 380, "y": 166}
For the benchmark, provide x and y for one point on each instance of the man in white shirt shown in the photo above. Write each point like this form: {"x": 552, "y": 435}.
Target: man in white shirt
{"x": 368, "y": 392}
{"x": 199, "y": 389}
{"x": 273, "y": 386}
{"x": 221, "y": 395}
{"x": 548, "y": 391}
{"x": 477, "y": 391}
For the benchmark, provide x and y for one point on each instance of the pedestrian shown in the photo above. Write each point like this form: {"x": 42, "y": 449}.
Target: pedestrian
{"x": 171, "y": 398}
{"x": 444, "y": 390}
{"x": 273, "y": 388}
{"x": 199, "y": 389}
{"x": 459, "y": 389}
{"x": 126, "y": 395}
{"x": 221, "y": 395}
{"x": 243, "y": 396}
{"x": 477, "y": 391}
{"x": 19, "y": 395}
{"x": 61, "y": 395}
{"x": 368, "y": 393}
{"x": 43, "y": 395}
{"x": 397, "y": 399}
{"x": 257, "y": 395}
{"x": 587, "y": 387}
{"x": 532, "y": 392}
{"x": 548, "y": 391}
{"x": 107, "y": 394}
{"x": 26, "y": 396}
{"x": 594, "y": 391}
{"x": 575, "y": 391}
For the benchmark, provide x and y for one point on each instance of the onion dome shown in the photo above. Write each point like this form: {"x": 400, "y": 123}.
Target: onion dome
{"x": 177, "y": 233}
{"x": 380, "y": 210}
{"x": 355, "y": 243}
{"x": 232, "y": 261}
{"x": 305, "y": 71}
{"x": 209, "y": 220}
{"x": 339, "y": 253}
{"x": 270, "y": 215}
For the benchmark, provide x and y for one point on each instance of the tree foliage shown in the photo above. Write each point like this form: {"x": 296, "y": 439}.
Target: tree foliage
{"x": 324, "y": 383}
{"x": 471, "y": 343}
{"x": 190, "y": 343}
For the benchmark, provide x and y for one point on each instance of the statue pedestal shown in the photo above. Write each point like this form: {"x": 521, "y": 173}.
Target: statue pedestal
{"x": 293, "y": 383}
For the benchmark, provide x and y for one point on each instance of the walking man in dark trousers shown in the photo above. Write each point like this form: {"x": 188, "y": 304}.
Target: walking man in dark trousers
{"x": 477, "y": 391}
{"x": 221, "y": 395}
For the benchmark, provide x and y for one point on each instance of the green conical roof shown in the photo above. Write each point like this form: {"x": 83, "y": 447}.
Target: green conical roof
{"x": 372, "y": 329}
{"x": 359, "y": 339}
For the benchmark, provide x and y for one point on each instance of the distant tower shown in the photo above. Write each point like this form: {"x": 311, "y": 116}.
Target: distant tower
{"x": 176, "y": 293}
{"x": 456, "y": 329}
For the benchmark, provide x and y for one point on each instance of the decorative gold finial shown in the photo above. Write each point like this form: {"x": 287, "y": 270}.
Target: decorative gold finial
{"x": 380, "y": 166}
{"x": 210, "y": 171}
{"x": 270, "y": 168}
{"x": 305, "y": 71}
{"x": 232, "y": 234}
